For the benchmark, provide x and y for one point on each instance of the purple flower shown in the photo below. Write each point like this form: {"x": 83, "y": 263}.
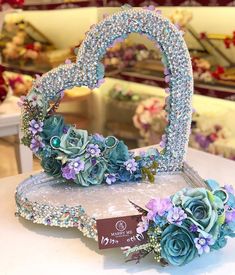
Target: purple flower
{"x": 36, "y": 144}
{"x": 143, "y": 225}
{"x": 93, "y": 150}
{"x": 229, "y": 188}
{"x": 158, "y": 207}
{"x": 193, "y": 228}
{"x": 176, "y": 215}
{"x": 72, "y": 168}
{"x": 131, "y": 165}
{"x": 98, "y": 137}
{"x": 203, "y": 141}
{"x": 110, "y": 178}
{"x": 203, "y": 243}
{"x": 229, "y": 214}
{"x": 35, "y": 126}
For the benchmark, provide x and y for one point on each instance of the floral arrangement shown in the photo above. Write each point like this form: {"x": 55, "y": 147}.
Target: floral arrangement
{"x": 122, "y": 55}
{"x": 186, "y": 225}
{"x": 72, "y": 154}
{"x": 201, "y": 69}
{"x": 20, "y": 47}
{"x": 19, "y": 83}
{"x": 150, "y": 119}
{"x": 118, "y": 92}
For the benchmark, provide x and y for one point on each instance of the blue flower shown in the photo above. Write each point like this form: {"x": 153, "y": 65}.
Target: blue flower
{"x": 53, "y": 126}
{"x": 177, "y": 245}
{"x": 51, "y": 165}
{"x": 221, "y": 240}
{"x": 159, "y": 220}
{"x": 202, "y": 209}
{"x": 93, "y": 173}
{"x": 119, "y": 154}
{"x": 74, "y": 142}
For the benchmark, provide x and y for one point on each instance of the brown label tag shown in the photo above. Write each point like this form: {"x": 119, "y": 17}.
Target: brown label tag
{"x": 119, "y": 232}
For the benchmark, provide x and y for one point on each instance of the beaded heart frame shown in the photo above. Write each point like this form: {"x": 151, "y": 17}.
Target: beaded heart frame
{"x": 88, "y": 71}
{"x": 180, "y": 227}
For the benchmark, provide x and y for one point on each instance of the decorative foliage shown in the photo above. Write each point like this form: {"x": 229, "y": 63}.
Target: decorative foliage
{"x": 186, "y": 225}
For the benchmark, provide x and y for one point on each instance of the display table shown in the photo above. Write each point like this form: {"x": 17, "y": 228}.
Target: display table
{"x": 10, "y": 125}
{"x": 31, "y": 249}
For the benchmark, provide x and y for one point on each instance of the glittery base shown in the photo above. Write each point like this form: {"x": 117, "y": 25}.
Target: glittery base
{"x": 49, "y": 201}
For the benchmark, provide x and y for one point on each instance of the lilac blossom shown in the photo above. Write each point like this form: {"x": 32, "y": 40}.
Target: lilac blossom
{"x": 131, "y": 165}
{"x": 203, "y": 243}
{"x": 35, "y": 126}
{"x": 93, "y": 150}
{"x": 36, "y": 144}
{"x": 158, "y": 207}
{"x": 229, "y": 188}
{"x": 142, "y": 225}
{"x": 72, "y": 168}
{"x": 110, "y": 178}
{"x": 193, "y": 228}
{"x": 229, "y": 214}
{"x": 176, "y": 215}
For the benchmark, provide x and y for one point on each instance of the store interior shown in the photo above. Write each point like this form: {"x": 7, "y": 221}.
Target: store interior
{"x": 130, "y": 104}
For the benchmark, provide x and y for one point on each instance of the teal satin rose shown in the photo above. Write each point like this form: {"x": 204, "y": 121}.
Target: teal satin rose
{"x": 202, "y": 208}
{"x": 74, "y": 142}
{"x": 51, "y": 166}
{"x": 52, "y": 126}
{"x": 93, "y": 173}
{"x": 177, "y": 246}
{"x": 119, "y": 154}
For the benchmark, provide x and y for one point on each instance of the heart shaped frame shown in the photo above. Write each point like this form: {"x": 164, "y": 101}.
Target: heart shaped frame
{"x": 179, "y": 228}
{"x": 88, "y": 71}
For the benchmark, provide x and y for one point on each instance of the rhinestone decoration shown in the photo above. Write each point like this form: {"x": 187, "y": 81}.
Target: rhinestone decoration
{"x": 62, "y": 216}
{"x": 89, "y": 71}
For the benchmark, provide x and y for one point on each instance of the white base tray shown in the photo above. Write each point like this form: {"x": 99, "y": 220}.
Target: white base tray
{"x": 45, "y": 200}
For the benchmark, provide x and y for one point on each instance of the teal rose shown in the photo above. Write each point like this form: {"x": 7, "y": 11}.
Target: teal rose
{"x": 93, "y": 173}
{"x": 53, "y": 126}
{"x": 203, "y": 209}
{"x": 119, "y": 154}
{"x": 177, "y": 245}
{"x": 74, "y": 142}
{"x": 51, "y": 166}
